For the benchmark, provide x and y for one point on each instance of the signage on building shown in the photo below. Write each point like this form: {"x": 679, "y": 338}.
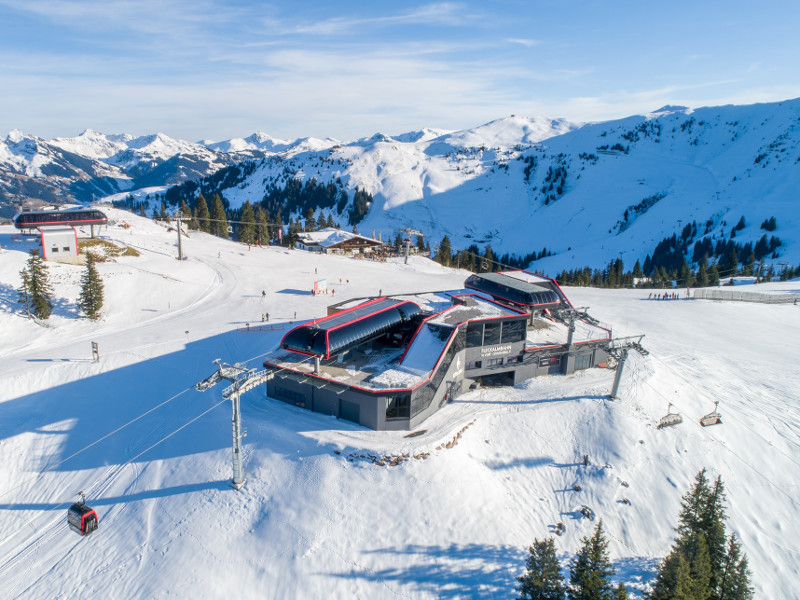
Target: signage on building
{"x": 496, "y": 350}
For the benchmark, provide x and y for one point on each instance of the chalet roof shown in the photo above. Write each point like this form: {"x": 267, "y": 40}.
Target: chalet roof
{"x": 330, "y": 237}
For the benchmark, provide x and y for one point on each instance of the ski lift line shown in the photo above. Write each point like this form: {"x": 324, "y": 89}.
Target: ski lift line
{"x": 118, "y": 470}
{"x": 728, "y": 418}
{"x": 74, "y": 454}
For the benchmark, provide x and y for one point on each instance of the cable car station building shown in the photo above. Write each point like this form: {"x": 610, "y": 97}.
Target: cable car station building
{"x": 389, "y": 363}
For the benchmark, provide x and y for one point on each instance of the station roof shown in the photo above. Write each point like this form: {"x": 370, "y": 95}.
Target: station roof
{"x": 338, "y": 332}
{"x": 513, "y": 289}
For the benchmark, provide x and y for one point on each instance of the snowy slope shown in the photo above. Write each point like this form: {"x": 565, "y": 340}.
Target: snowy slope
{"x": 310, "y": 523}
{"x": 523, "y": 185}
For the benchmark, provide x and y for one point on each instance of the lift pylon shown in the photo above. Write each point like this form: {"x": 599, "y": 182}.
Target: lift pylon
{"x": 243, "y": 379}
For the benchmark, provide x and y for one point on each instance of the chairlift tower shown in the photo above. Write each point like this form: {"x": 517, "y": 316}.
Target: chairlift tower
{"x": 243, "y": 380}
{"x": 409, "y": 232}
{"x": 619, "y": 348}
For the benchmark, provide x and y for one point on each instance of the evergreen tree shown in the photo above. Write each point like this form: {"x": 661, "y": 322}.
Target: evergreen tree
{"x": 398, "y": 241}
{"x": 542, "y": 579}
{"x": 674, "y": 581}
{"x": 163, "y": 214}
{"x": 591, "y": 570}
{"x": 91, "y": 296}
{"x": 713, "y": 275}
{"x": 219, "y": 222}
{"x": 637, "y": 270}
{"x": 247, "y": 229}
{"x": 23, "y": 291}
{"x": 734, "y": 579}
{"x": 262, "y": 227}
{"x": 201, "y": 214}
{"x": 329, "y": 221}
{"x": 620, "y": 592}
{"x": 188, "y": 217}
{"x": 142, "y": 212}
{"x": 702, "y": 273}
{"x": 445, "y": 253}
{"x": 487, "y": 260}
{"x": 37, "y": 295}
{"x": 311, "y": 222}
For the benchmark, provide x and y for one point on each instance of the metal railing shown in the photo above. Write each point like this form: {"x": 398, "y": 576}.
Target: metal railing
{"x": 738, "y": 296}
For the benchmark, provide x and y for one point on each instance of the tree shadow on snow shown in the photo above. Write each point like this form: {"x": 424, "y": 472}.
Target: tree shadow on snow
{"x": 454, "y": 571}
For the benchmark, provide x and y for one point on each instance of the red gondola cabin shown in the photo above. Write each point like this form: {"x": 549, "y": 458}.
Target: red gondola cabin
{"x": 82, "y": 519}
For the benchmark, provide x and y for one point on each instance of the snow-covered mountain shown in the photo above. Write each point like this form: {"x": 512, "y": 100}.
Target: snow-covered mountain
{"x": 587, "y": 194}
{"x": 94, "y": 164}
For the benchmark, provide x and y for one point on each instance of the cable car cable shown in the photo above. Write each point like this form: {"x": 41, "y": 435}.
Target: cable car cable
{"x": 73, "y": 455}
{"x": 122, "y": 465}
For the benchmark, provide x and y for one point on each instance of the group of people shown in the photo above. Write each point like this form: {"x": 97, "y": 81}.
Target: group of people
{"x": 664, "y": 296}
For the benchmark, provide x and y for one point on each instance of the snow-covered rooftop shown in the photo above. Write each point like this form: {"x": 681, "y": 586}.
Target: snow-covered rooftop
{"x": 330, "y": 236}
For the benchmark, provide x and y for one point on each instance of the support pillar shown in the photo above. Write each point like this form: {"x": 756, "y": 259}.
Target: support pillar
{"x": 408, "y": 243}
{"x": 238, "y": 471}
{"x": 623, "y": 356}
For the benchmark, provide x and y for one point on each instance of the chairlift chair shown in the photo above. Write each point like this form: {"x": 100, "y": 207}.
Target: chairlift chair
{"x": 670, "y": 419}
{"x": 82, "y": 519}
{"x": 712, "y": 418}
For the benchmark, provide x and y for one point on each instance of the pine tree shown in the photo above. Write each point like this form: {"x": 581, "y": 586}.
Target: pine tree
{"x": 398, "y": 241}
{"x": 219, "y": 222}
{"x": 262, "y": 227}
{"x": 445, "y": 253}
{"x": 201, "y": 214}
{"x": 637, "y": 270}
{"x": 142, "y": 212}
{"x": 674, "y": 581}
{"x": 620, "y": 592}
{"x": 487, "y": 261}
{"x": 36, "y": 292}
{"x": 713, "y": 275}
{"x": 91, "y": 296}
{"x": 188, "y": 218}
{"x": 734, "y": 580}
{"x": 702, "y": 273}
{"x": 591, "y": 570}
{"x": 24, "y": 291}
{"x": 247, "y": 230}
{"x": 542, "y": 579}
{"x": 163, "y": 214}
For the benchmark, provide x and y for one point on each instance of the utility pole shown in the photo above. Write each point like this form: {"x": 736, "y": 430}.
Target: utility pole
{"x": 243, "y": 380}
{"x": 178, "y": 216}
{"x": 409, "y": 233}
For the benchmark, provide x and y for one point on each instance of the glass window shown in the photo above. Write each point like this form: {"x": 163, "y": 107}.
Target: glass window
{"x": 54, "y": 249}
{"x": 491, "y": 334}
{"x": 474, "y": 335}
{"x": 494, "y": 361}
{"x": 398, "y": 407}
{"x": 513, "y": 360}
{"x": 65, "y": 249}
{"x": 513, "y": 331}
{"x": 474, "y": 365}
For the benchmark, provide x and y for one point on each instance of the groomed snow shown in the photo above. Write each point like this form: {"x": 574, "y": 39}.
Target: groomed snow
{"x": 310, "y": 522}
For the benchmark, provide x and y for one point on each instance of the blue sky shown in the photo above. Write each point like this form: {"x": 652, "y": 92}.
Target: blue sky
{"x": 200, "y": 69}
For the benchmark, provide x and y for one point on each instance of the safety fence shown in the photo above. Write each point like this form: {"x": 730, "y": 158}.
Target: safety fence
{"x": 737, "y": 296}
{"x": 255, "y": 328}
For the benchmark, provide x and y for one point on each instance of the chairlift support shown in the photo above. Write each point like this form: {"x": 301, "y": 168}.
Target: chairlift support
{"x": 670, "y": 419}
{"x": 618, "y": 348}
{"x": 82, "y": 519}
{"x": 712, "y": 418}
